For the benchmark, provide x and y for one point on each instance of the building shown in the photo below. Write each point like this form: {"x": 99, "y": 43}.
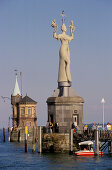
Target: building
{"x": 27, "y": 112}
{"x": 24, "y": 110}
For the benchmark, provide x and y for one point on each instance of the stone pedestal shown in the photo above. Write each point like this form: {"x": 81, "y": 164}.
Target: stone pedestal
{"x": 65, "y": 110}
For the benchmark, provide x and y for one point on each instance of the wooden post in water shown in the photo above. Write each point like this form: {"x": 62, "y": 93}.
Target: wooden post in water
{"x": 71, "y": 141}
{"x": 39, "y": 139}
{"x": 9, "y": 129}
{"x": 96, "y": 142}
{"x": 9, "y": 134}
{"x": 33, "y": 142}
{"x": 109, "y": 146}
{"x": 26, "y": 138}
{"x": 33, "y": 149}
{"x": 20, "y": 135}
{"x": 3, "y": 134}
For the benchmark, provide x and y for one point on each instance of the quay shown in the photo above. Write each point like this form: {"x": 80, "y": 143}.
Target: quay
{"x": 18, "y": 135}
{"x": 68, "y": 142}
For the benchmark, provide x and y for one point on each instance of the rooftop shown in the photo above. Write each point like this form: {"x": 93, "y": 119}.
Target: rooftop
{"x": 27, "y": 100}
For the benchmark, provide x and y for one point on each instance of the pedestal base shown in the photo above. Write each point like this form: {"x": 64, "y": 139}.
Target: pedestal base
{"x": 64, "y": 88}
{"x": 65, "y": 111}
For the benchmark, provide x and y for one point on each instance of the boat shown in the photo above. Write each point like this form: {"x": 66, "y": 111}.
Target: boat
{"x": 86, "y": 149}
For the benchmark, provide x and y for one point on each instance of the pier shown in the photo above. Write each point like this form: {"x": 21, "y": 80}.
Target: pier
{"x": 68, "y": 142}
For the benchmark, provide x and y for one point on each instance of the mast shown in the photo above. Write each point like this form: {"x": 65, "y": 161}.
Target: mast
{"x": 21, "y": 82}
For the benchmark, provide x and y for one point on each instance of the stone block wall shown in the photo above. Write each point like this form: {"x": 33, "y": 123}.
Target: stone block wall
{"x": 19, "y": 135}
{"x": 55, "y": 142}
{"x": 63, "y": 109}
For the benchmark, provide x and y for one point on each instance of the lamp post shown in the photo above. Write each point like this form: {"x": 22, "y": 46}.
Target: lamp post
{"x": 103, "y": 101}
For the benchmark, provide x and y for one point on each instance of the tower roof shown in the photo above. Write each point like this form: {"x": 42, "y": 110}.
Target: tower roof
{"x": 16, "y": 90}
{"x": 27, "y": 100}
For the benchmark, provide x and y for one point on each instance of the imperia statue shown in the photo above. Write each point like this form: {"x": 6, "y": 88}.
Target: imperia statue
{"x": 64, "y": 74}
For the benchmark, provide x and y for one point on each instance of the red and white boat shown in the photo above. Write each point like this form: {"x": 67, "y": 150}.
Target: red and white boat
{"x": 86, "y": 149}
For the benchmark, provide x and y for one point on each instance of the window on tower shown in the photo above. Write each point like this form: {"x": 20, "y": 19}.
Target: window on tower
{"x": 34, "y": 111}
{"x": 23, "y": 111}
{"x": 29, "y": 111}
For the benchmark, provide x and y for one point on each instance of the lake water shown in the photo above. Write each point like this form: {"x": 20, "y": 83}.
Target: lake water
{"x": 13, "y": 157}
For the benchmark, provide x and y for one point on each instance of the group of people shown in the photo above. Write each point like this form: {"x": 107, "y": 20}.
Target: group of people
{"x": 107, "y": 127}
{"x": 50, "y": 127}
{"x": 93, "y": 128}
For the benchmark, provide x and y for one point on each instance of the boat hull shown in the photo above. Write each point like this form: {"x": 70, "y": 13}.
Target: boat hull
{"x": 86, "y": 153}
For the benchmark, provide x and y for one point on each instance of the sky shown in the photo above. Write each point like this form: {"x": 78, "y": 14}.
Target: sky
{"x": 27, "y": 44}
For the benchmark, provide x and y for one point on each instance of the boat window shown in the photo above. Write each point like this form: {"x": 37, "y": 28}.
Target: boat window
{"x": 87, "y": 147}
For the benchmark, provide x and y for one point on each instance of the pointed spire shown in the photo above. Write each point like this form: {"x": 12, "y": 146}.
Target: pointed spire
{"x": 16, "y": 88}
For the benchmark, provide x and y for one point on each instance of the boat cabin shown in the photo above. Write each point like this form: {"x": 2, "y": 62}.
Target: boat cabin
{"x": 86, "y": 145}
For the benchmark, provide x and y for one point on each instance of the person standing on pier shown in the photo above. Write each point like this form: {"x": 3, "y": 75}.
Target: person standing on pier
{"x": 51, "y": 127}
{"x": 47, "y": 126}
{"x": 108, "y": 127}
{"x": 56, "y": 126}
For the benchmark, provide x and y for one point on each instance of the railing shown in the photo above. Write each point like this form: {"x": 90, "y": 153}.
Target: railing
{"x": 105, "y": 135}
{"x": 88, "y": 134}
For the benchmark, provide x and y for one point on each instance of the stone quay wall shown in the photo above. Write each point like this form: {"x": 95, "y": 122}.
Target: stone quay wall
{"x": 56, "y": 142}
{"x": 19, "y": 135}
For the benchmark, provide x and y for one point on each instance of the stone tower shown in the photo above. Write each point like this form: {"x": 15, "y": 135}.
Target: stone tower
{"x": 24, "y": 109}
{"x": 15, "y": 99}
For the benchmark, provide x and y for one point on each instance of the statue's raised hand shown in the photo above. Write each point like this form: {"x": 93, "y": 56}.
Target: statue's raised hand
{"x": 54, "y": 25}
{"x": 72, "y": 28}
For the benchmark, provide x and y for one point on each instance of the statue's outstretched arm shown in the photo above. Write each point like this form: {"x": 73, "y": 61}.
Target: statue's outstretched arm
{"x": 57, "y": 36}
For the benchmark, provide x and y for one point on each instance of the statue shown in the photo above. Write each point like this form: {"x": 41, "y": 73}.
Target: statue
{"x": 64, "y": 74}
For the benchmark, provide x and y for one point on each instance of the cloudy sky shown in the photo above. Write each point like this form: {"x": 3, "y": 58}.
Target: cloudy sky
{"x": 27, "y": 44}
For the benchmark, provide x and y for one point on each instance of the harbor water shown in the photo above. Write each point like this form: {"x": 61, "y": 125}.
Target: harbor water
{"x": 13, "y": 157}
